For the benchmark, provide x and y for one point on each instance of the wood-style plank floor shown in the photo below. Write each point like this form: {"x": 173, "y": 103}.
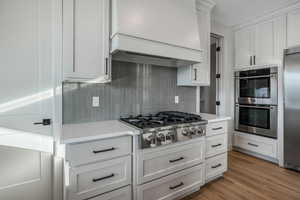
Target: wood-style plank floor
{"x": 249, "y": 178}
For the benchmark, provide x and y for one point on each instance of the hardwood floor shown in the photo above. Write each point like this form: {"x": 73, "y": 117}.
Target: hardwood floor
{"x": 253, "y": 179}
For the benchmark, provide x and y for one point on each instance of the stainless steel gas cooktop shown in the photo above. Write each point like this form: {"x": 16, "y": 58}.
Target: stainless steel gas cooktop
{"x": 167, "y": 127}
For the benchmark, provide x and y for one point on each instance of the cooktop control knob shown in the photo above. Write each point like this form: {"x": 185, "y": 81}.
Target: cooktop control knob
{"x": 201, "y": 131}
{"x": 185, "y": 132}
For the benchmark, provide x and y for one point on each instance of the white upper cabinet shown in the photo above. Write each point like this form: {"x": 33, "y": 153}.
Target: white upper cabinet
{"x": 293, "y": 28}
{"x": 199, "y": 74}
{"x": 28, "y": 55}
{"x": 264, "y": 43}
{"x": 260, "y": 44}
{"x": 86, "y": 40}
{"x": 166, "y": 28}
{"x": 244, "y": 46}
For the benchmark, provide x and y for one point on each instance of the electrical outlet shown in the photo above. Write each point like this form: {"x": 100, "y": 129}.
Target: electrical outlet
{"x": 96, "y": 101}
{"x": 176, "y": 99}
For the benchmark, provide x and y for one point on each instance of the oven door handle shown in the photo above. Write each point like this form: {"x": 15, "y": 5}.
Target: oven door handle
{"x": 259, "y": 107}
{"x": 253, "y": 77}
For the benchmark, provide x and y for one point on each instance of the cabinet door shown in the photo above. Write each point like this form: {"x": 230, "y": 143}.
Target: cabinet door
{"x": 264, "y": 43}
{"x": 243, "y": 46}
{"x": 27, "y": 60}
{"x": 293, "y": 28}
{"x": 86, "y": 40}
{"x": 25, "y": 174}
{"x": 201, "y": 75}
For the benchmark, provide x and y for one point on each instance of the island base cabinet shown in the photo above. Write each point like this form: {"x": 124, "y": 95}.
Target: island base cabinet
{"x": 216, "y": 166}
{"x": 173, "y": 186}
{"x": 120, "y": 194}
{"x": 91, "y": 180}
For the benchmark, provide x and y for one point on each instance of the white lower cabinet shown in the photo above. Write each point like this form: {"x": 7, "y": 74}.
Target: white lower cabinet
{"x": 216, "y": 150}
{"x": 216, "y": 145}
{"x": 120, "y": 194}
{"x": 94, "y": 179}
{"x": 215, "y": 166}
{"x": 172, "y": 186}
{"x": 256, "y": 144}
{"x": 163, "y": 161}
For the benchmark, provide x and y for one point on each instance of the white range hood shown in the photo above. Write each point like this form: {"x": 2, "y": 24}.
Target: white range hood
{"x": 162, "y": 32}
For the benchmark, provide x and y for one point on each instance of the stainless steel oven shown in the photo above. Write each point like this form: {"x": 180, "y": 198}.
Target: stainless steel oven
{"x": 256, "y": 86}
{"x": 256, "y": 119}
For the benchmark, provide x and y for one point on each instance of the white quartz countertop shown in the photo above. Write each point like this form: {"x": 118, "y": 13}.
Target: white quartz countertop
{"x": 213, "y": 118}
{"x": 75, "y": 133}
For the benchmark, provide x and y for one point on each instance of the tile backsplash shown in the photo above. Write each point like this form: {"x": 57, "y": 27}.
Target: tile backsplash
{"x": 135, "y": 89}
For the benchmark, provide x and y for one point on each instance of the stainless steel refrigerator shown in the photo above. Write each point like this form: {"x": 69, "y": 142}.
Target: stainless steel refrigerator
{"x": 292, "y": 108}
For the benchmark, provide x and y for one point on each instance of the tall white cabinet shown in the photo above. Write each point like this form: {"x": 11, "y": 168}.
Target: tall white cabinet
{"x": 199, "y": 74}
{"x": 260, "y": 44}
{"x": 28, "y": 57}
{"x": 86, "y": 25}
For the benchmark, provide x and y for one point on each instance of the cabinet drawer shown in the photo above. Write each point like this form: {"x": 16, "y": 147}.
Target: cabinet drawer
{"x": 216, "y": 166}
{"x": 216, "y": 128}
{"x": 83, "y": 153}
{"x": 92, "y": 180}
{"x": 172, "y": 186}
{"x": 156, "y": 164}
{"x": 257, "y": 144}
{"x": 120, "y": 194}
{"x": 216, "y": 145}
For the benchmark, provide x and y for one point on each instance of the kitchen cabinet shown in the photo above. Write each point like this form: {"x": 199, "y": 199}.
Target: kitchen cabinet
{"x": 244, "y": 46}
{"x": 260, "y": 44}
{"x": 96, "y": 169}
{"x": 173, "y": 186}
{"x": 199, "y": 74}
{"x": 293, "y": 28}
{"x": 86, "y": 40}
{"x": 25, "y": 174}
{"x": 28, "y": 55}
{"x": 266, "y": 147}
{"x": 216, "y": 150}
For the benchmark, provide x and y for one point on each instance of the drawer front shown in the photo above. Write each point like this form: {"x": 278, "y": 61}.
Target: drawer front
{"x": 216, "y": 128}
{"x": 96, "y": 179}
{"x": 160, "y": 163}
{"x": 83, "y": 153}
{"x": 216, "y": 166}
{"x": 264, "y": 146}
{"x": 172, "y": 186}
{"x": 120, "y": 194}
{"x": 216, "y": 145}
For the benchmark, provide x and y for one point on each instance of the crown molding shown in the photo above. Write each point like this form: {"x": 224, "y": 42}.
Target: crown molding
{"x": 276, "y": 13}
{"x": 205, "y": 4}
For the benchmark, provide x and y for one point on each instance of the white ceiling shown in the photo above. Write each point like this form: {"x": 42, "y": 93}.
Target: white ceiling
{"x": 234, "y": 12}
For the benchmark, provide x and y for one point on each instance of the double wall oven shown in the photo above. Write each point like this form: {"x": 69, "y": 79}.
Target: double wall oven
{"x": 256, "y": 101}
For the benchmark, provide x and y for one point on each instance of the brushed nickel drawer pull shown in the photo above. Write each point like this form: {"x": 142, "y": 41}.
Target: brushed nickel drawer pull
{"x": 104, "y": 150}
{"x": 254, "y": 145}
{"x": 219, "y": 128}
{"x": 176, "y": 160}
{"x": 217, "y": 145}
{"x": 176, "y": 186}
{"x": 103, "y": 178}
{"x": 216, "y": 166}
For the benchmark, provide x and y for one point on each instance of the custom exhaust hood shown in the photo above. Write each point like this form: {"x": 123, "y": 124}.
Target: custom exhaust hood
{"x": 159, "y": 32}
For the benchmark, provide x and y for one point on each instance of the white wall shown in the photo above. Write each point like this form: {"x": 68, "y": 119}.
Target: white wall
{"x": 227, "y": 81}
